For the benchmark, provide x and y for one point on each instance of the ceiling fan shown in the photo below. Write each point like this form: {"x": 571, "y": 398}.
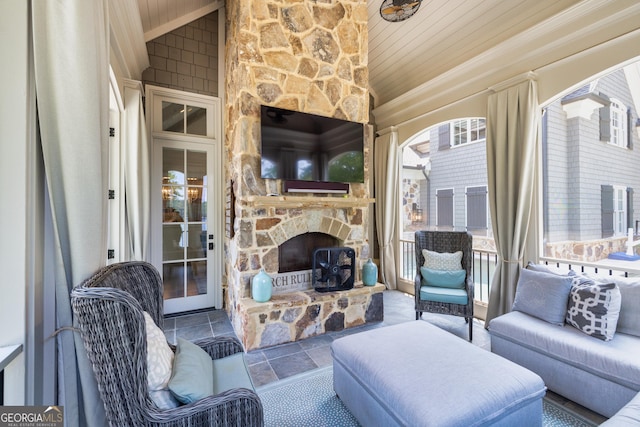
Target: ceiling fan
{"x": 398, "y": 10}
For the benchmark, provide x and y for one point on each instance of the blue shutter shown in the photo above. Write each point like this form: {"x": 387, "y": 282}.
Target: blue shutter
{"x": 477, "y": 208}
{"x": 444, "y": 202}
{"x": 606, "y": 209}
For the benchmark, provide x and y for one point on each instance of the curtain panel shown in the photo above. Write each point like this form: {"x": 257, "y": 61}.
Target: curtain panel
{"x": 386, "y": 176}
{"x": 71, "y": 67}
{"x": 136, "y": 173}
{"x": 513, "y": 133}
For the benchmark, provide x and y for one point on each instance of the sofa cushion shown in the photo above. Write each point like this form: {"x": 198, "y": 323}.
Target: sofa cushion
{"x": 445, "y": 295}
{"x": 231, "y": 372}
{"x": 543, "y": 295}
{"x": 443, "y": 278}
{"x": 614, "y": 360}
{"x": 629, "y": 319}
{"x": 594, "y": 308}
{"x": 628, "y": 416}
{"x": 442, "y": 260}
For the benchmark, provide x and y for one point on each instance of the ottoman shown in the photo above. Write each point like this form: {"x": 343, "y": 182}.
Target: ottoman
{"x": 416, "y": 374}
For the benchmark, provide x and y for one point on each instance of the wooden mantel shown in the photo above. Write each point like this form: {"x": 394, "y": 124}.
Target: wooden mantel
{"x": 308, "y": 201}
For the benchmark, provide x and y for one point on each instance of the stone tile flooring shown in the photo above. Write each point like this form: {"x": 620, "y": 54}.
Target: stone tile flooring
{"x": 275, "y": 363}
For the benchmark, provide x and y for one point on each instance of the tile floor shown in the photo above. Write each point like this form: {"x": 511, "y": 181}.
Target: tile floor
{"x": 279, "y": 362}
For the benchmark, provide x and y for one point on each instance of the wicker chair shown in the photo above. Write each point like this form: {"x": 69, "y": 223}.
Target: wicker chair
{"x": 445, "y": 241}
{"x": 108, "y": 311}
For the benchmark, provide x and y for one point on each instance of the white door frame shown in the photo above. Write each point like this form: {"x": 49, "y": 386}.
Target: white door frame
{"x": 154, "y": 97}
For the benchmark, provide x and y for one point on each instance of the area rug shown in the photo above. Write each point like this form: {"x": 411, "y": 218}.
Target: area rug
{"x": 308, "y": 399}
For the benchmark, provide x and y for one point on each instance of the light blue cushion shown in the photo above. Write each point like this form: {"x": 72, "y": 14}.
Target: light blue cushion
{"x": 231, "y": 372}
{"x": 543, "y": 295}
{"x": 446, "y": 295}
{"x": 443, "y": 278}
{"x": 192, "y": 375}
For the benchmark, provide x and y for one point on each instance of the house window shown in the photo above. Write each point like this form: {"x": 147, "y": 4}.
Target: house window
{"x": 466, "y": 131}
{"x": 616, "y": 209}
{"x": 618, "y": 123}
{"x": 444, "y": 207}
{"x": 476, "y": 198}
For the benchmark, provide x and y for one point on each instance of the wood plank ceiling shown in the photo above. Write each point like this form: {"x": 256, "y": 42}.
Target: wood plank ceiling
{"x": 442, "y": 35}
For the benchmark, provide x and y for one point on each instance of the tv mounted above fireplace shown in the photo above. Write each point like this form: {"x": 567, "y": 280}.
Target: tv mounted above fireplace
{"x": 310, "y": 153}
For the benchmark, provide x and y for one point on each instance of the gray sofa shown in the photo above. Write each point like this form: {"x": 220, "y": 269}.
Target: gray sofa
{"x": 603, "y": 376}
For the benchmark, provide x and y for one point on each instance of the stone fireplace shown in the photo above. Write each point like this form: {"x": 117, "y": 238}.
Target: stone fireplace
{"x": 309, "y": 57}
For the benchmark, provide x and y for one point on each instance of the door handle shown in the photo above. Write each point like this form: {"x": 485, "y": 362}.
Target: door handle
{"x": 211, "y": 246}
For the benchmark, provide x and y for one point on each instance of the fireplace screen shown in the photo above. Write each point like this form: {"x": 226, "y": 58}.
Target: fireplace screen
{"x": 334, "y": 269}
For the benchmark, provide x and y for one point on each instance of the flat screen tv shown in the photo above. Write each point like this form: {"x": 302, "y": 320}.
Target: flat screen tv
{"x": 306, "y": 147}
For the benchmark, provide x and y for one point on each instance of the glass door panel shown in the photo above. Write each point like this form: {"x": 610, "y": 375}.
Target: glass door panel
{"x": 184, "y": 226}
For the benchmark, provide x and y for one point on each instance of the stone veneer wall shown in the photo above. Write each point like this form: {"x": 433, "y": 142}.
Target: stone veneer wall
{"x": 298, "y": 55}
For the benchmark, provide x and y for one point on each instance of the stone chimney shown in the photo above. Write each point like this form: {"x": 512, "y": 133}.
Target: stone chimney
{"x": 308, "y": 56}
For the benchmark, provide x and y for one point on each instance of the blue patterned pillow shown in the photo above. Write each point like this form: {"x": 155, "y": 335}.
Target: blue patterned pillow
{"x": 543, "y": 295}
{"x": 594, "y": 308}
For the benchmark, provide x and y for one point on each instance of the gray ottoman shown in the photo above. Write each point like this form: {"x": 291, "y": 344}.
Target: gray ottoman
{"x": 416, "y": 374}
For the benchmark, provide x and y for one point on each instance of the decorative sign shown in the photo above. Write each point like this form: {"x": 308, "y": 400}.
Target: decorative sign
{"x": 293, "y": 281}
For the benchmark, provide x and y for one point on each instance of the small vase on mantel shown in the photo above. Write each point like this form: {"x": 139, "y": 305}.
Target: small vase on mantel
{"x": 261, "y": 286}
{"x": 369, "y": 273}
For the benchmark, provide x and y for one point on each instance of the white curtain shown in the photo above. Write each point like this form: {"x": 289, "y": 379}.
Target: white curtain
{"x": 136, "y": 172}
{"x": 386, "y": 175}
{"x": 513, "y": 132}
{"x": 70, "y": 41}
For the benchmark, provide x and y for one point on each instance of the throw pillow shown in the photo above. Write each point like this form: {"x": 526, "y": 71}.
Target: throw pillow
{"x": 629, "y": 319}
{"x": 549, "y": 269}
{"x": 594, "y": 308}
{"x": 443, "y": 279}
{"x": 442, "y": 260}
{"x": 192, "y": 376}
{"x": 543, "y": 295}
{"x": 159, "y": 355}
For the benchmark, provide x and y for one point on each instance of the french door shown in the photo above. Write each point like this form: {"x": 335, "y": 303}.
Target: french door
{"x": 186, "y": 202}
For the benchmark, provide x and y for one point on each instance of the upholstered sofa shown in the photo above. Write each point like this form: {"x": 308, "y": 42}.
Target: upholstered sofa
{"x": 598, "y": 370}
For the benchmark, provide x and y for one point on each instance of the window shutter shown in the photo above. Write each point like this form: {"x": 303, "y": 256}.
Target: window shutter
{"x": 477, "y": 208}
{"x": 629, "y": 130}
{"x": 605, "y": 123}
{"x": 606, "y": 206}
{"x": 630, "y": 223}
{"x": 444, "y": 137}
{"x": 444, "y": 201}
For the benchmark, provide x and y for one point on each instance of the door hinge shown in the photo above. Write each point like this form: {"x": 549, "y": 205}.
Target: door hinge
{"x": 112, "y": 132}
{"x": 111, "y": 253}
{"x": 112, "y": 194}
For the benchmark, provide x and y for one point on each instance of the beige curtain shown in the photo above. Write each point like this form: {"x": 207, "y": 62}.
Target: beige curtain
{"x": 136, "y": 172}
{"x": 71, "y": 67}
{"x": 513, "y": 131}
{"x": 386, "y": 175}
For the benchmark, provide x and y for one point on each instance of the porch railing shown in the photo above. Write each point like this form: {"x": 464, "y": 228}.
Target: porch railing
{"x": 484, "y": 265}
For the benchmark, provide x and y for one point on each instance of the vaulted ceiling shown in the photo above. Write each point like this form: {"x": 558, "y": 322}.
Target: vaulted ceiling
{"x": 446, "y": 37}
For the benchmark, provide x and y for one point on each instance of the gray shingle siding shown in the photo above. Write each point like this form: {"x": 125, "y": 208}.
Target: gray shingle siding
{"x": 578, "y": 163}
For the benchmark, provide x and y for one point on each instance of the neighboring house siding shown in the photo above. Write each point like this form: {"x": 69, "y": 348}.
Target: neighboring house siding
{"x": 456, "y": 168}
{"x": 579, "y": 163}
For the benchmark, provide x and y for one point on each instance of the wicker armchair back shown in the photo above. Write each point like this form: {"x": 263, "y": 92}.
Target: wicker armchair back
{"x": 445, "y": 241}
{"x": 112, "y": 327}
